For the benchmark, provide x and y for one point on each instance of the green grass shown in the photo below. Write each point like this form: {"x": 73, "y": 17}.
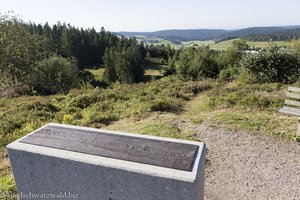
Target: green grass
{"x": 154, "y": 68}
{"x": 98, "y": 73}
{"x": 158, "y": 124}
{"x": 168, "y": 107}
{"x": 226, "y": 44}
{"x": 267, "y": 44}
{"x": 91, "y": 107}
{"x": 96, "y": 107}
{"x": 221, "y": 46}
{"x": 239, "y": 107}
{"x": 183, "y": 43}
{"x": 7, "y": 188}
{"x": 255, "y": 122}
{"x": 158, "y": 41}
{"x": 87, "y": 106}
{"x": 198, "y": 42}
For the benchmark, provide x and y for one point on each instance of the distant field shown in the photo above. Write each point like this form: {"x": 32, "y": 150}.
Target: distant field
{"x": 266, "y": 44}
{"x": 98, "y": 73}
{"x": 218, "y": 46}
{"x": 198, "y": 42}
{"x": 152, "y": 68}
{"x": 226, "y": 44}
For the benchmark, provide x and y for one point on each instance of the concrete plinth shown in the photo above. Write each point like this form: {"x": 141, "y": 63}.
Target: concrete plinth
{"x": 42, "y": 172}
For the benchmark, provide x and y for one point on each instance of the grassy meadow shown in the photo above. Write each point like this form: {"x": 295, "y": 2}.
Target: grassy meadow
{"x": 221, "y": 46}
{"x": 167, "y": 107}
{"x": 224, "y": 45}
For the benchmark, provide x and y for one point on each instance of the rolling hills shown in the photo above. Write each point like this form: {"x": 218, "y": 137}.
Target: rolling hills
{"x": 275, "y": 33}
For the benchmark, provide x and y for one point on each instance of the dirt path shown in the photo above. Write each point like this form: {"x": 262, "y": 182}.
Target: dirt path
{"x": 244, "y": 166}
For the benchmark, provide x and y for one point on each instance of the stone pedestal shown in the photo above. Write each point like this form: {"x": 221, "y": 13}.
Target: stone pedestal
{"x": 69, "y": 162}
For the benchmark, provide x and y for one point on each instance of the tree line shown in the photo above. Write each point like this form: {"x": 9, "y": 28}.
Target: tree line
{"x": 48, "y": 60}
{"x": 87, "y": 46}
{"x": 30, "y": 54}
{"x": 286, "y": 35}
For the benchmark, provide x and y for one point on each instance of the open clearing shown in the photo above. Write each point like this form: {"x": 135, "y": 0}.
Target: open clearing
{"x": 240, "y": 165}
{"x": 221, "y": 46}
{"x": 244, "y": 159}
{"x": 226, "y": 44}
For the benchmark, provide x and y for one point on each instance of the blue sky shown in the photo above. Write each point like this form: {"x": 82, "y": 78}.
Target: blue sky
{"x": 151, "y": 15}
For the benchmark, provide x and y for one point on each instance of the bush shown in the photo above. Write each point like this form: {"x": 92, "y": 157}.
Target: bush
{"x": 16, "y": 112}
{"x": 274, "y": 65}
{"x": 102, "y": 118}
{"x": 82, "y": 101}
{"x": 16, "y": 90}
{"x": 229, "y": 74}
{"x": 163, "y": 105}
{"x": 197, "y": 64}
{"x": 55, "y": 74}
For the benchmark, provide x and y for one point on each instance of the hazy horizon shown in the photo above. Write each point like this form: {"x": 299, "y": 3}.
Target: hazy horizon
{"x": 179, "y": 29}
{"x": 137, "y": 16}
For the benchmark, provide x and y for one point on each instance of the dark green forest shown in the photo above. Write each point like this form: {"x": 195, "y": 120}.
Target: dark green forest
{"x": 285, "y": 33}
{"x": 87, "y": 46}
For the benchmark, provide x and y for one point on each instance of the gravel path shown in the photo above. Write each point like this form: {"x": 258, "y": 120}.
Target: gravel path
{"x": 244, "y": 166}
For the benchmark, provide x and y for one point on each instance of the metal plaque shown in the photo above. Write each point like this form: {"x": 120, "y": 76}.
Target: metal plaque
{"x": 148, "y": 151}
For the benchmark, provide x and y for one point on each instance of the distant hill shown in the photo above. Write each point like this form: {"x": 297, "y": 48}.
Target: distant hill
{"x": 252, "y": 33}
{"x": 190, "y": 34}
{"x": 182, "y": 35}
{"x": 264, "y": 33}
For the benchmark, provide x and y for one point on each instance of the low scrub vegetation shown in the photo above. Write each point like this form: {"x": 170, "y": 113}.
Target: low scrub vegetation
{"x": 96, "y": 107}
{"x": 91, "y": 107}
{"x": 244, "y": 107}
{"x": 101, "y": 82}
{"x": 255, "y": 96}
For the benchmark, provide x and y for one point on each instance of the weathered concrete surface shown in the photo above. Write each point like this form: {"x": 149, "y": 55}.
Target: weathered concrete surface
{"x": 42, "y": 170}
